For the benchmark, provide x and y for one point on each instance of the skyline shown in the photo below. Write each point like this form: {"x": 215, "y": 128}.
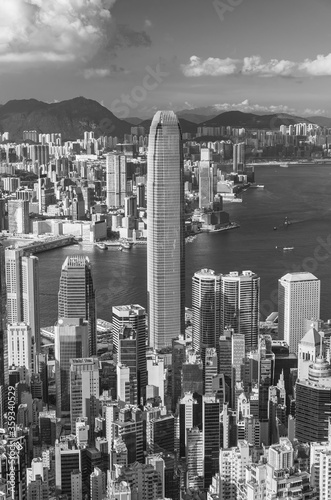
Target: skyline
{"x": 237, "y": 54}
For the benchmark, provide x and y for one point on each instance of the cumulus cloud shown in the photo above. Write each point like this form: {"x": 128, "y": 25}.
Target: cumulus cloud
{"x": 61, "y": 31}
{"x": 212, "y": 66}
{"x": 247, "y": 107}
{"x": 318, "y": 67}
{"x": 314, "y": 112}
{"x": 254, "y": 65}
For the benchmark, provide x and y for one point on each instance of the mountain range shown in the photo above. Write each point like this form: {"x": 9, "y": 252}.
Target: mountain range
{"x": 75, "y": 116}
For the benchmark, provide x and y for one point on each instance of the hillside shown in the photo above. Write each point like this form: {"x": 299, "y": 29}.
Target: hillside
{"x": 252, "y": 121}
{"x": 71, "y": 118}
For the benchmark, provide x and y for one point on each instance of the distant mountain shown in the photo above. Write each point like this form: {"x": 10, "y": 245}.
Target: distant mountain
{"x": 71, "y": 118}
{"x": 203, "y": 111}
{"x": 186, "y": 126}
{"x": 195, "y": 118}
{"x": 252, "y": 121}
{"x": 322, "y": 121}
{"x": 134, "y": 120}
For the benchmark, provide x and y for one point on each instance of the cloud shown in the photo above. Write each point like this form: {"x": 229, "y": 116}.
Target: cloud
{"x": 148, "y": 23}
{"x": 96, "y": 73}
{"x": 314, "y": 112}
{"x": 318, "y": 67}
{"x": 211, "y": 66}
{"x": 247, "y": 107}
{"x": 62, "y": 31}
{"x": 89, "y": 73}
{"x": 254, "y": 65}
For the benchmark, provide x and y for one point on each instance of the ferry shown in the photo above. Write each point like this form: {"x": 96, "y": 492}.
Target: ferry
{"x": 288, "y": 249}
{"x": 125, "y": 244}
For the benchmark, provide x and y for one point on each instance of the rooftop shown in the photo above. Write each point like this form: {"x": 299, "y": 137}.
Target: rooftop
{"x": 299, "y": 276}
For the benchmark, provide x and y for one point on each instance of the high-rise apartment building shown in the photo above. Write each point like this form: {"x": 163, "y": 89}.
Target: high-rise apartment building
{"x": 37, "y": 480}
{"x": 298, "y": 300}
{"x": 207, "y": 180}
{"x": 19, "y": 345}
{"x": 190, "y": 415}
{"x": 3, "y": 336}
{"x": 116, "y": 179}
{"x": 238, "y": 155}
{"x": 22, "y": 283}
{"x": 133, "y": 316}
{"x": 71, "y": 341}
{"x": 165, "y": 231}
{"x": 76, "y": 298}
{"x": 240, "y": 305}
{"x": 84, "y": 390}
{"x": 206, "y": 310}
{"x": 30, "y": 297}
{"x": 97, "y": 484}
{"x": 18, "y": 216}
{"x": 194, "y": 458}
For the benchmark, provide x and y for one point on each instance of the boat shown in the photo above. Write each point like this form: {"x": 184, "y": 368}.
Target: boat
{"x": 102, "y": 246}
{"x": 275, "y": 228}
{"x": 231, "y": 225}
{"x": 288, "y": 249}
{"x": 283, "y": 165}
{"x": 125, "y": 244}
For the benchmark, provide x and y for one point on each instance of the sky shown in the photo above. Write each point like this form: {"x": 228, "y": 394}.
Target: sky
{"x": 137, "y": 56}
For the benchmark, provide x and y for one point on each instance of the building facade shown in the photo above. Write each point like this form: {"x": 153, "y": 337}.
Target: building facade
{"x": 165, "y": 231}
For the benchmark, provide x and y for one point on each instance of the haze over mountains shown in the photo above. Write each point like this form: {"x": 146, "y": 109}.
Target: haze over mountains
{"x": 74, "y": 116}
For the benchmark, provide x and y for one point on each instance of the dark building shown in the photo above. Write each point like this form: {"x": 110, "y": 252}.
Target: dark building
{"x": 313, "y": 403}
{"x": 192, "y": 376}
{"x": 178, "y": 358}
{"x": 212, "y": 438}
{"x": 76, "y": 298}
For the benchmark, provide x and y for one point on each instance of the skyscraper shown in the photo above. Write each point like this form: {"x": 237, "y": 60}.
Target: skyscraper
{"x": 312, "y": 408}
{"x": 22, "y": 281}
{"x": 3, "y": 336}
{"x": 238, "y": 155}
{"x": 207, "y": 182}
{"x": 18, "y": 216}
{"x": 165, "y": 231}
{"x": 133, "y": 316}
{"x": 240, "y": 304}
{"x": 77, "y": 295}
{"x": 116, "y": 177}
{"x": 71, "y": 341}
{"x": 84, "y": 390}
{"x": 206, "y": 310}
{"x": 298, "y": 300}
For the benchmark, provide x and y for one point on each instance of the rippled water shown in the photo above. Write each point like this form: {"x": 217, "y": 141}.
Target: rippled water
{"x": 301, "y": 193}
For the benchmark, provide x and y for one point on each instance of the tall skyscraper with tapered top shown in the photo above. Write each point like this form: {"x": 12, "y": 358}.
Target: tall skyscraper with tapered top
{"x": 77, "y": 295}
{"x": 165, "y": 231}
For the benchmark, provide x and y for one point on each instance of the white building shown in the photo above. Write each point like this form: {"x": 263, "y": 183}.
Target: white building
{"x": 240, "y": 303}
{"x": 308, "y": 350}
{"x": 19, "y": 345}
{"x": 298, "y": 300}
